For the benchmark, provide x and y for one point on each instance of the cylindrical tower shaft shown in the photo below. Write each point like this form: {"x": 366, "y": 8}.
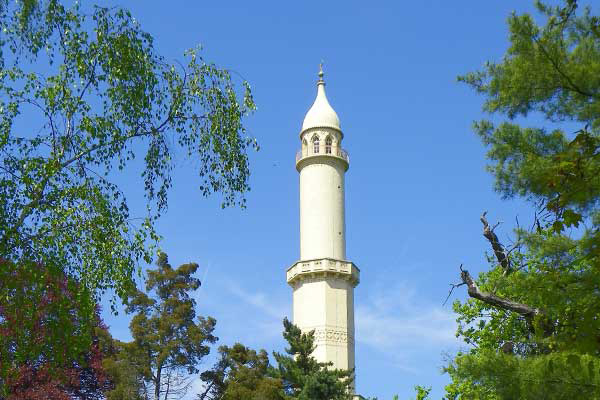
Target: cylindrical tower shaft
{"x": 322, "y": 214}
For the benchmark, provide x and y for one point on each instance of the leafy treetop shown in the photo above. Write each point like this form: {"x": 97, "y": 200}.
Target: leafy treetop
{"x": 82, "y": 93}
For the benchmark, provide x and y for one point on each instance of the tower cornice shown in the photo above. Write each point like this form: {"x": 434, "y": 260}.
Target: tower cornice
{"x": 341, "y": 156}
{"x": 321, "y": 269}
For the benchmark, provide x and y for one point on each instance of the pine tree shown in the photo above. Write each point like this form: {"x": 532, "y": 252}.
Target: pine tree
{"x": 533, "y": 317}
{"x": 242, "y": 373}
{"x": 305, "y": 378}
{"x": 169, "y": 339}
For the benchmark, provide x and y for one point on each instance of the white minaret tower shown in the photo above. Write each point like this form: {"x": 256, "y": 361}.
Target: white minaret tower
{"x": 323, "y": 280}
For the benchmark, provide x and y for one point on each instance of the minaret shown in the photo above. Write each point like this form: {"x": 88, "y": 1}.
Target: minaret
{"x": 323, "y": 280}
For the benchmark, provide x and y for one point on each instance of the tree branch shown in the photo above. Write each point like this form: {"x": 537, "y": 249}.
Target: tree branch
{"x": 25, "y": 212}
{"x": 498, "y": 248}
{"x": 452, "y": 287}
{"x": 491, "y": 299}
{"x": 203, "y": 395}
{"x": 91, "y": 149}
{"x": 573, "y": 87}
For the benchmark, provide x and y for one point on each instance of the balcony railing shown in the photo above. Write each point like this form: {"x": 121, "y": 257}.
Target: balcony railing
{"x": 336, "y": 152}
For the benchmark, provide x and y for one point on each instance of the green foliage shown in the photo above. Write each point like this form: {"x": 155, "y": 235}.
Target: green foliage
{"x": 305, "y": 378}
{"x": 83, "y": 93}
{"x": 422, "y": 392}
{"x": 241, "y": 374}
{"x": 124, "y": 372}
{"x": 169, "y": 339}
{"x": 58, "y": 310}
{"x": 553, "y": 71}
{"x": 55, "y": 348}
{"x": 492, "y": 375}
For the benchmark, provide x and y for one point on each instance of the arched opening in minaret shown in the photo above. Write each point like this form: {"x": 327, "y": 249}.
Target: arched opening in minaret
{"x": 304, "y": 147}
{"x": 328, "y": 142}
{"x": 315, "y": 141}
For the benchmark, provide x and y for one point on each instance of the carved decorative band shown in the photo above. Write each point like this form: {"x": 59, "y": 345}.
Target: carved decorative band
{"x": 332, "y": 335}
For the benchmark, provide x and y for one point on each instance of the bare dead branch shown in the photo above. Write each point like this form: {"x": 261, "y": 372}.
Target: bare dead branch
{"x": 452, "y": 287}
{"x": 498, "y": 248}
{"x": 522, "y": 309}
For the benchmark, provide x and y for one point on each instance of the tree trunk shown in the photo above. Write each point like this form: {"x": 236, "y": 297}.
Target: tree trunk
{"x": 157, "y": 384}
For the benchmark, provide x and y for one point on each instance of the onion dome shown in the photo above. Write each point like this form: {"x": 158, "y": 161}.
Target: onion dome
{"x": 321, "y": 114}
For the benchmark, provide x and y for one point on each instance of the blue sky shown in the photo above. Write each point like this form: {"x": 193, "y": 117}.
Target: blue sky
{"x": 415, "y": 188}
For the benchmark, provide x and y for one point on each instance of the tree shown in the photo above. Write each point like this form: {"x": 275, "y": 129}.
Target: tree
{"x": 304, "y": 378}
{"x": 169, "y": 339}
{"x": 241, "y": 374}
{"x": 32, "y": 367}
{"x": 83, "y": 92}
{"x": 533, "y": 317}
{"x": 123, "y": 369}
{"x": 422, "y": 393}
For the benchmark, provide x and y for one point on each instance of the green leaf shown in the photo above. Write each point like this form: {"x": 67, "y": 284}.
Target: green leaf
{"x": 571, "y": 218}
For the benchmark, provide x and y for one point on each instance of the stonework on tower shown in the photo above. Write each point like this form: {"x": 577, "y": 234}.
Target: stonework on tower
{"x": 323, "y": 280}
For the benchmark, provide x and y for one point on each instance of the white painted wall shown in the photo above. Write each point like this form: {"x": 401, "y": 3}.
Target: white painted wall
{"x": 322, "y": 209}
{"x": 326, "y": 304}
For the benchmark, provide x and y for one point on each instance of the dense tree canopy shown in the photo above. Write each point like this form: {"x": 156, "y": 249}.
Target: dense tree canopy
{"x": 533, "y": 318}
{"x": 34, "y": 368}
{"x": 83, "y": 92}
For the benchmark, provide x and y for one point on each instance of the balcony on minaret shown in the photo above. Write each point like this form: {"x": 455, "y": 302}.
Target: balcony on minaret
{"x": 316, "y": 150}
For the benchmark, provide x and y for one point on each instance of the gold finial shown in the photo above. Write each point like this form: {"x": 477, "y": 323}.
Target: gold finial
{"x": 321, "y": 71}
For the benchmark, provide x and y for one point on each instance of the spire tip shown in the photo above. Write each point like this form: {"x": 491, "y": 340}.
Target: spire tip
{"x": 321, "y": 71}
